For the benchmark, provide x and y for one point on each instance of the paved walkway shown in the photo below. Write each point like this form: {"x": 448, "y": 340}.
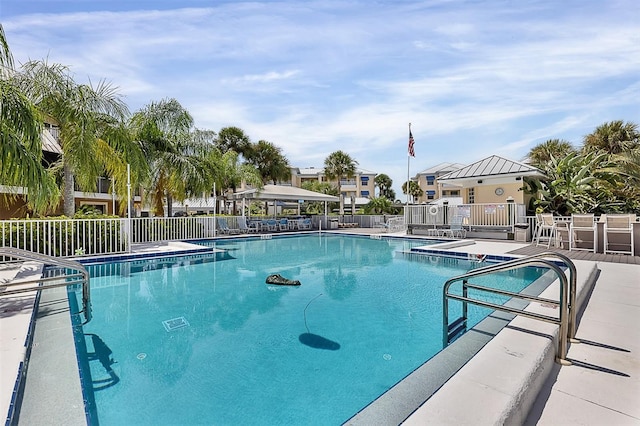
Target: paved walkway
{"x": 603, "y": 385}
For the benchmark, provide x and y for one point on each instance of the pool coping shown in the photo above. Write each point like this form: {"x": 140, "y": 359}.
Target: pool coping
{"x": 502, "y": 381}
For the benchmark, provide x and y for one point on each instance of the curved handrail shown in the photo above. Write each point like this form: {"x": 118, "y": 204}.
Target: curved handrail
{"x": 67, "y": 263}
{"x": 573, "y": 311}
{"x": 565, "y": 294}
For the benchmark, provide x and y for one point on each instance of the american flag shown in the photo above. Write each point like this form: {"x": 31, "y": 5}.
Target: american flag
{"x": 411, "y": 151}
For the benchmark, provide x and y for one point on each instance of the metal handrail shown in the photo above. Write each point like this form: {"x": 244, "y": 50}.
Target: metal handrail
{"x": 566, "y": 294}
{"x": 81, "y": 272}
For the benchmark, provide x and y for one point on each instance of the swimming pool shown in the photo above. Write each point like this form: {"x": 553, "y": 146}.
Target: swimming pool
{"x": 202, "y": 339}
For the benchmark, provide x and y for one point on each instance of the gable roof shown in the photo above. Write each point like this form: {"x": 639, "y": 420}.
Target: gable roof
{"x": 492, "y": 166}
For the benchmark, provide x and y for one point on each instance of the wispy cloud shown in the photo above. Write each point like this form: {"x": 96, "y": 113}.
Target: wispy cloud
{"x": 474, "y": 77}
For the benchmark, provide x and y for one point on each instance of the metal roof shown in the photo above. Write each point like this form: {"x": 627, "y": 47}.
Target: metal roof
{"x": 492, "y": 166}
{"x": 441, "y": 168}
{"x": 283, "y": 193}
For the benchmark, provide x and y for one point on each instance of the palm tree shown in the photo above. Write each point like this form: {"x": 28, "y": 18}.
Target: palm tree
{"x": 21, "y": 139}
{"x": 82, "y": 113}
{"x": 414, "y": 189}
{"x": 323, "y": 188}
{"x": 270, "y": 162}
{"x": 628, "y": 164}
{"x": 178, "y": 158}
{"x": 231, "y": 173}
{"x": 234, "y": 138}
{"x": 384, "y": 183}
{"x": 6, "y": 59}
{"x": 338, "y": 165}
{"x": 613, "y": 138}
{"x": 542, "y": 153}
{"x": 378, "y": 205}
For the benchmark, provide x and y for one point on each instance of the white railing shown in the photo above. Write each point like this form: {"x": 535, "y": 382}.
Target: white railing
{"x": 396, "y": 224}
{"x": 499, "y": 215}
{"x": 152, "y": 229}
{"x": 65, "y": 237}
{"x": 78, "y": 237}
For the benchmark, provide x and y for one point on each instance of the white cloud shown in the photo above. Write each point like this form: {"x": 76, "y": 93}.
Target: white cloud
{"x": 474, "y": 78}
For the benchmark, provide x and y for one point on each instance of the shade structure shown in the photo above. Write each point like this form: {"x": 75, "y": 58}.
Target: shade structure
{"x": 283, "y": 193}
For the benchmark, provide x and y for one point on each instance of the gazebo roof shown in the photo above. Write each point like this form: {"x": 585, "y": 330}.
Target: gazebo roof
{"x": 283, "y": 193}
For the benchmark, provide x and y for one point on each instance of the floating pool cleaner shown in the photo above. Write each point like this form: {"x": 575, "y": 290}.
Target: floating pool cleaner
{"x": 280, "y": 280}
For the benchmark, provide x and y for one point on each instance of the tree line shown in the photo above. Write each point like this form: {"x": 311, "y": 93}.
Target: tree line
{"x": 166, "y": 154}
{"x": 600, "y": 176}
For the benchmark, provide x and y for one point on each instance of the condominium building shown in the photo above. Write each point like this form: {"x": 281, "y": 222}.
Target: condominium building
{"x": 361, "y": 185}
{"x": 14, "y": 203}
{"x": 431, "y": 187}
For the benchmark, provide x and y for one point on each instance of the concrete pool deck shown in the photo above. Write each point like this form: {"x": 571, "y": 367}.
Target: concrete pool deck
{"x": 602, "y": 387}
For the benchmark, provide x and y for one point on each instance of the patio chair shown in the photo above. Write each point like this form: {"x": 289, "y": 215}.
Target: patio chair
{"x": 455, "y": 228}
{"x": 270, "y": 225}
{"x": 546, "y": 229}
{"x": 283, "y": 225}
{"x": 583, "y": 224}
{"x": 304, "y": 224}
{"x": 223, "y": 227}
{"x": 616, "y": 225}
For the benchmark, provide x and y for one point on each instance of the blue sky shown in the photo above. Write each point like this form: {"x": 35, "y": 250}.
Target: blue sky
{"x": 474, "y": 78}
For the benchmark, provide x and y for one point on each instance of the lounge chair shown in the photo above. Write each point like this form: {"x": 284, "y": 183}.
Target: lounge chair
{"x": 455, "y": 228}
{"x": 244, "y": 228}
{"x": 616, "y": 225}
{"x": 223, "y": 227}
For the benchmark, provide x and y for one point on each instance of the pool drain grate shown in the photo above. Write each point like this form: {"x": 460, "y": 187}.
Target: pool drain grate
{"x": 175, "y": 323}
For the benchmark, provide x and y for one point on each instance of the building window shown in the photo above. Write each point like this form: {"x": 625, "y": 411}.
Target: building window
{"x": 364, "y": 193}
{"x": 431, "y": 180}
{"x": 364, "y": 180}
{"x": 431, "y": 195}
{"x": 472, "y": 195}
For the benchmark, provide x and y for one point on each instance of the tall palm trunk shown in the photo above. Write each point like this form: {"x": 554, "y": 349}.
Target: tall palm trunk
{"x": 69, "y": 203}
{"x": 169, "y": 205}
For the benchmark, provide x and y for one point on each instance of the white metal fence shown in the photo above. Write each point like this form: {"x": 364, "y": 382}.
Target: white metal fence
{"x": 151, "y": 229}
{"x": 65, "y": 237}
{"x": 75, "y": 237}
{"x": 499, "y": 215}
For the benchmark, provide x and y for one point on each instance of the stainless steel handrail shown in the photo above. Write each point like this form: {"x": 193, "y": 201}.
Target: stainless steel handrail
{"x": 566, "y": 294}
{"x": 40, "y": 282}
{"x": 573, "y": 311}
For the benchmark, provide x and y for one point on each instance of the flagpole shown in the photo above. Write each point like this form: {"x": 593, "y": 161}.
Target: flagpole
{"x": 408, "y": 163}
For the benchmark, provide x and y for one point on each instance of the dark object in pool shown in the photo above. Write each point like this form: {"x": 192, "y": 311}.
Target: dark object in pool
{"x": 280, "y": 280}
{"x": 318, "y": 342}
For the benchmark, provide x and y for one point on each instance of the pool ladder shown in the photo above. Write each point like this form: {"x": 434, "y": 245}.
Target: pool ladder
{"x": 73, "y": 273}
{"x": 566, "y": 320}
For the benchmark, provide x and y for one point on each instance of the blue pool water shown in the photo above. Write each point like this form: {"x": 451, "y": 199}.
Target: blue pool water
{"x": 203, "y": 340}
